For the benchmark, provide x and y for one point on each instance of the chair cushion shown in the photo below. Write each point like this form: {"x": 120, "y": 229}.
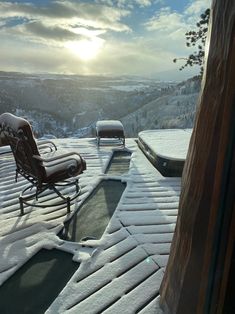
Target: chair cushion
{"x": 109, "y": 128}
{"x": 64, "y": 168}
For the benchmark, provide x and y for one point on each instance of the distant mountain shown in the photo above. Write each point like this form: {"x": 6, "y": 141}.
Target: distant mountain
{"x": 174, "y": 110}
{"x": 178, "y": 75}
{"x": 70, "y": 105}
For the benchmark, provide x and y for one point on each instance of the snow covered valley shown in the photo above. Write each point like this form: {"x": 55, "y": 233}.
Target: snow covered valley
{"x": 69, "y": 106}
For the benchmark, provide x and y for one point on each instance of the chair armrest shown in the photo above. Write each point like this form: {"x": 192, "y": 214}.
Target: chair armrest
{"x": 57, "y": 160}
{"x": 56, "y": 157}
{"x": 53, "y": 161}
{"x": 44, "y": 144}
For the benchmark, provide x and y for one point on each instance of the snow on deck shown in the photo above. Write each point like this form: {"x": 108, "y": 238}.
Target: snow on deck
{"x": 169, "y": 143}
{"x": 121, "y": 272}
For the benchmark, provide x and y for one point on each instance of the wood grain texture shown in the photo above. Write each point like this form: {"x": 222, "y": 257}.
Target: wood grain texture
{"x": 187, "y": 281}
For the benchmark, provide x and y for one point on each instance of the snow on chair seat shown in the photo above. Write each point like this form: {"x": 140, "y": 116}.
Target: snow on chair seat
{"x": 110, "y": 129}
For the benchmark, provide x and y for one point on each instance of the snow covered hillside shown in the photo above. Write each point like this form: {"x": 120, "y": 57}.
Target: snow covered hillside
{"x": 63, "y": 105}
{"x": 170, "y": 111}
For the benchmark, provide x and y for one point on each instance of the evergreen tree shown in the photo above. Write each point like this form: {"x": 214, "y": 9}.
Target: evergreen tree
{"x": 197, "y": 39}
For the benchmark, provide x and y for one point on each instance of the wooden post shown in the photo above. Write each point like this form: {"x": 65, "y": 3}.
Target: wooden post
{"x": 197, "y": 273}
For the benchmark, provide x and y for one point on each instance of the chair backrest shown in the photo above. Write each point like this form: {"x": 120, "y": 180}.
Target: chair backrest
{"x": 18, "y": 133}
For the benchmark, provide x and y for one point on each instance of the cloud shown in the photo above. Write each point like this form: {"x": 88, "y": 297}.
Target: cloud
{"x": 133, "y": 58}
{"x": 143, "y": 3}
{"x": 141, "y": 56}
{"x": 169, "y": 26}
{"x": 60, "y": 24}
{"x": 168, "y": 29}
{"x": 130, "y": 3}
{"x": 197, "y": 7}
{"x": 29, "y": 10}
{"x": 38, "y": 30}
{"x": 26, "y": 28}
{"x": 34, "y": 37}
{"x": 165, "y": 20}
{"x": 68, "y": 13}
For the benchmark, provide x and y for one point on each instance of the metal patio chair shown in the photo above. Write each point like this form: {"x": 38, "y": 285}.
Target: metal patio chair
{"x": 43, "y": 171}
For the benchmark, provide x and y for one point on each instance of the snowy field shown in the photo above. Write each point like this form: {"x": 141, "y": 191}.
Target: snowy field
{"x": 121, "y": 272}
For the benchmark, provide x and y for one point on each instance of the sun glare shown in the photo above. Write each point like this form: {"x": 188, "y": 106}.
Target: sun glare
{"x": 85, "y": 49}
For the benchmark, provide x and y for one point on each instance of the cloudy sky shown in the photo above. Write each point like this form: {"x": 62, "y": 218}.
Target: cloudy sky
{"x": 108, "y": 37}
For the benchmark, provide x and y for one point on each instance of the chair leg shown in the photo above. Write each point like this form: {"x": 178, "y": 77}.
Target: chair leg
{"x": 68, "y": 205}
{"x": 16, "y": 176}
{"x": 65, "y": 199}
{"x": 21, "y": 206}
{"x": 36, "y": 195}
{"x": 77, "y": 186}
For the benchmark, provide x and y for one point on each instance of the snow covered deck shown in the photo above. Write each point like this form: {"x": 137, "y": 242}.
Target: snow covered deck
{"x": 121, "y": 272}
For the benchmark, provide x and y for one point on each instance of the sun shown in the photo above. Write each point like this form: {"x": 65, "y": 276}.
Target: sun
{"x": 85, "y": 49}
